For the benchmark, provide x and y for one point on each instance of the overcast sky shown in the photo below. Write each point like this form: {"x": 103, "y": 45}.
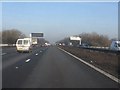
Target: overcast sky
{"x": 61, "y": 19}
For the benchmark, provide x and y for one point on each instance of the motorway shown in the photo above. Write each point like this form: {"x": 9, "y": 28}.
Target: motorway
{"x": 49, "y": 67}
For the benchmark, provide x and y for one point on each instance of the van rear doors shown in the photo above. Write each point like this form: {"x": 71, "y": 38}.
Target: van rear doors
{"x": 23, "y": 45}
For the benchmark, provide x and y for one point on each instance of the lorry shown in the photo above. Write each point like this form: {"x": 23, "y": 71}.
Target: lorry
{"x": 24, "y": 45}
{"x": 34, "y": 41}
{"x": 75, "y": 41}
{"x": 115, "y": 45}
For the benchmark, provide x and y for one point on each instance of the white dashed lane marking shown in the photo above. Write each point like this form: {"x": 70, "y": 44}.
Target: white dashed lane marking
{"x": 27, "y": 60}
{"x": 36, "y": 54}
{"x": 40, "y": 51}
{"x": 3, "y": 54}
{"x": 16, "y": 67}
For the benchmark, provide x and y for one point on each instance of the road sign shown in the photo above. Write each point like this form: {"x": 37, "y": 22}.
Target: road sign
{"x": 75, "y": 38}
{"x": 36, "y": 35}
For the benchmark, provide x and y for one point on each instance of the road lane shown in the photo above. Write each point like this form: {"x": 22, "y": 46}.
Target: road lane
{"x": 18, "y": 69}
{"x": 59, "y": 70}
{"x": 14, "y": 56}
{"x": 9, "y": 53}
{"x": 53, "y": 68}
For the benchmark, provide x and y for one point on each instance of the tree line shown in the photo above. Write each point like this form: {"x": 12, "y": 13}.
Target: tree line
{"x": 11, "y": 36}
{"x": 90, "y": 39}
{"x": 94, "y": 39}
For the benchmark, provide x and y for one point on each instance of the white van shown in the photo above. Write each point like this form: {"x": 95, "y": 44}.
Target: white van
{"x": 115, "y": 45}
{"x": 24, "y": 45}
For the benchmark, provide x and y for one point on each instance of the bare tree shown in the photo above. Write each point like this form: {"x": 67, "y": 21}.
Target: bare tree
{"x": 92, "y": 39}
{"x": 95, "y": 39}
{"x": 11, "y": 36}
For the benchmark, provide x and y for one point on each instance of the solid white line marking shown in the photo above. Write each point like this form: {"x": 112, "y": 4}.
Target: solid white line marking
{"x": 36, "y": 54}
{"x": 97, "y": 69}
{"x": 27, "y": 60}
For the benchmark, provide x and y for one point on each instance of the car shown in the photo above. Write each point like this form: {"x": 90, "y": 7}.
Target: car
{"x": 84, "y": 45}
{"x": 115, "y": 45}
{"x": 24, "y": 45}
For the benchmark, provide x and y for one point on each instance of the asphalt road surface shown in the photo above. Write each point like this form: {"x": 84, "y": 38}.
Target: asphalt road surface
{"x": 49, "y": 67}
